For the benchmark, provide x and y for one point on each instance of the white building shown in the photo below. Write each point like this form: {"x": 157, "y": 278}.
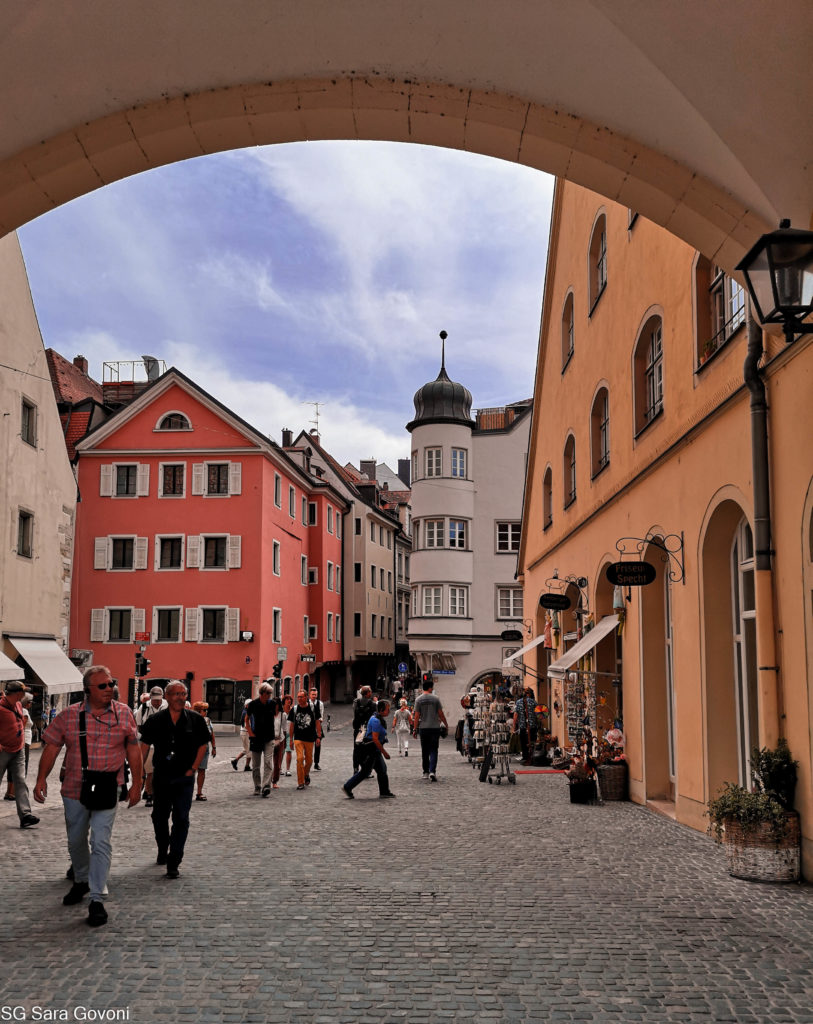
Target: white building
{"x": 467, "y": 482}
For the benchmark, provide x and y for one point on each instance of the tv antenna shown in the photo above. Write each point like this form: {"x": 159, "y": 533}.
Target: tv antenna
{"x": 315, "y": 420}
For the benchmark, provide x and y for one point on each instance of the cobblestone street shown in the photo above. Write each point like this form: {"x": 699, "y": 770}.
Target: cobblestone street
{"x": 456, "y": 901}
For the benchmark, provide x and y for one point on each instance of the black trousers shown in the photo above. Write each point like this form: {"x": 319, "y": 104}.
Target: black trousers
{"x": 171, "y": 797}
{"x": 527, "y": 742}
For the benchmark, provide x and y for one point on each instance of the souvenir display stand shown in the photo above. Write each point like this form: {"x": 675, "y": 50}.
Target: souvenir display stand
{"x": 498, "y": 734}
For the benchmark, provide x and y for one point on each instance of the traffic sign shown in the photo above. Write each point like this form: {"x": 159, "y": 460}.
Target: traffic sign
{"x": 403, "y": 667}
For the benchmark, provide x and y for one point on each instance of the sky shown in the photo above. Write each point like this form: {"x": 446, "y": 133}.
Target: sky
{"x": 285, "y": 275}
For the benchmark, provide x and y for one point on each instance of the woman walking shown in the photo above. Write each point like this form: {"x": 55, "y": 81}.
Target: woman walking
{"x": 402, "y": 726}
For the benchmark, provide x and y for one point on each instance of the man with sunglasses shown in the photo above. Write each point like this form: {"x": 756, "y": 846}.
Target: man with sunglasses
{"x": 12, "y": 749}
{"x": 110, "y": 739}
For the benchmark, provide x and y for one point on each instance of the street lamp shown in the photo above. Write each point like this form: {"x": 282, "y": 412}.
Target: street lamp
{"x": 778, "y": 273}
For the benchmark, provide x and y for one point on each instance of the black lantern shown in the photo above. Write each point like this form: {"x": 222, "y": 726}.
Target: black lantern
{"x": 778, "y": 272}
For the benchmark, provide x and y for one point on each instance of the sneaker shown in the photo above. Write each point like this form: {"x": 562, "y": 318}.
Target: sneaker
{"x": 348, "y": 792}
{"x": 288, "y": 774}
{"x": 307, "y": 780}
{"x": 257, "y": 791}
{"x": 200, "y": 796}
{"x": 386, "y": 796}
{"x": 148, "y": 801}
{"x": 300, "y": 787}
{"x": 234, "y": 763}
{"x": 75, "y": 894}
{"x": 317, "y": 768}
{"x": 406, "y": 753}
{"x": 266, "y": 792}
{"x": 433, "y": 777}
{"x": 29, "y": 821}
{"x": 97, "y": 915}
{"x": 247, "y": 768}
{"x": 425, "y": 775}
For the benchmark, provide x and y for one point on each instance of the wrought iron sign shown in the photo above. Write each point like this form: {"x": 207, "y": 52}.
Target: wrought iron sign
{"x": 633, "y": 571}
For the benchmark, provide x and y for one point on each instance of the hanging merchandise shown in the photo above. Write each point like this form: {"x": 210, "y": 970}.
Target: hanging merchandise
{"x": 497, "y": 736}
{"x": 548, "y": 642}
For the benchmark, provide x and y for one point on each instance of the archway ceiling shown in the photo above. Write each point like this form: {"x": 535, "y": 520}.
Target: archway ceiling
{"x": 722, "y": 89}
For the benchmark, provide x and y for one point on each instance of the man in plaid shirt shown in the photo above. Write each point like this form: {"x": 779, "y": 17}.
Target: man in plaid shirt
{"x": 111, "y": 738}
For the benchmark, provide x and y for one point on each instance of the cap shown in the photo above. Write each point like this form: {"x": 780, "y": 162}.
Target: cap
{"x": 156, "y": 691}
{"x": 27, "y": 698}
{"x": 15, "y": 686}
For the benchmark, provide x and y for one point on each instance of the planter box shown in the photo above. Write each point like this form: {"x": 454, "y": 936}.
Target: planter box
{"x": 583, "y": 791}
{"x": 757, "y": 855}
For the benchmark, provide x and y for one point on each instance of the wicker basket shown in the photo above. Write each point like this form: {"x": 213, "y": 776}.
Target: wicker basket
{"x": 612, "y": 780}
{"x": 757, "y": 855}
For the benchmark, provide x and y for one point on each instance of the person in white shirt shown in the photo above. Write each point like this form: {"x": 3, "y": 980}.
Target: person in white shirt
{"x": 149, "y": 708}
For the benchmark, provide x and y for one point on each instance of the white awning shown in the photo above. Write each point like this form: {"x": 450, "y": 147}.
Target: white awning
{"x": 48, "y": 661}
{"x": 509, "y": 661}
{"x": 8, "y": 670}
{"x": 557, "y": 669}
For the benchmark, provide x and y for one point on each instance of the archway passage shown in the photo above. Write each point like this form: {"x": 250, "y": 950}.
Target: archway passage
{"x": 651, "y": 105}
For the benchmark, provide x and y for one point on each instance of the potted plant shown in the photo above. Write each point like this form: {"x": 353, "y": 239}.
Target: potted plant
{"x": 758, "y": 827}
{"x": 582, "y": 780}
{"x": 612, "y": 770}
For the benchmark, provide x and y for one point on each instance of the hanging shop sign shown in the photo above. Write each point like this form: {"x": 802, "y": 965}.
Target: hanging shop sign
{"x": 511, "y": 636}
{"x": 307, "y": 657}
{"x": 555, "y": 602}
{"x": 631, "y": 574}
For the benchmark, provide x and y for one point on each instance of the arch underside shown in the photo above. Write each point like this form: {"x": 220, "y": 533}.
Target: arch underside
{"x": 99, "y": 152}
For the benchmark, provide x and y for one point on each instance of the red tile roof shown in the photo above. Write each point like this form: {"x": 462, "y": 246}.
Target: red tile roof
{"x": 70, "y": 384}
{"x": 74, "y": 427}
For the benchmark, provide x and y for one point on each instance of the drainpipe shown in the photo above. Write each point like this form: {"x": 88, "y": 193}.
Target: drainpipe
{"x": 767, "y": 669}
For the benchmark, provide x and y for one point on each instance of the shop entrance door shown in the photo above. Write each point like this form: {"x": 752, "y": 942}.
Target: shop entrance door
{"x": 219, "y": 695}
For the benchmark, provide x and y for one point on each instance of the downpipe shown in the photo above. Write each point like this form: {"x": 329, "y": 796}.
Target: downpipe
{"x": 767, "y": 668}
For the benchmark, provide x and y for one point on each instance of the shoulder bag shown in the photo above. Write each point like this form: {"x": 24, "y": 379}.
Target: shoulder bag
{"x": 100, "y": 790}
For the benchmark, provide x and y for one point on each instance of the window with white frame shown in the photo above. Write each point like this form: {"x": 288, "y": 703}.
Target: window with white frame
{"x": 303, "y": 570}
{"x": 381, "y": 536}
{"x": 508, "y": 535}
{"x": 292, "y": 502}
{"x": 25, "y": 533}
{"x": 414, "y": 466}
{"x": 727, "y": 300}
{"x": 338, "y": 629}
{"x": 276, "y": 626}
{"x": 312, "y": 517}
{"x": 459, "y": 462}
{"x": 381, "y": 579}
{"x": 278, "y": 490}
{"x": 330, "y": 519}
{"x": 126, "y": 481}
{"x": 433, "y": 462}
{"x": 457, "y": 533}
{"x": 568, "y": 331}
{"x": 648, "y": 373}
{"x": 598, "y": 261}
{"x": 304, "y": 510}
{"x": 433, "y": 533}
{"x": 600, "y": 432}
{"x": 276, "y": 550}
{"x": 122, "y": 551}
{"x": 169, "y": 552}
{"x": 119, "y": 624}
{"x": 432, "y": 600}
{"x": 330, "y": 627}
{"x": 28, "y": 422}
{"x": 509, "y": 602}
{"x": 172, "y": 479}
{"x": 305, "y": 630}
{"x": 174, "y": 421}
{"x": 458, "y": 601}
{"x": 372, "y": 576}
{"x": 313, "y": 632}
{"x": 217, "y": 478}
{"x": 313, "y": 574}
{"x": 372, "y": 532}
{"x": 338, "y": 579}
{"x": 547, "y": 498}
{"x": 167, "y": 625}
{"x": 215, "y": 552}
{"x": 389, "y": 540}
{"x": 330, "y": 575}
{"x": 338, "y": 524}
{"x": 213, "y": 626}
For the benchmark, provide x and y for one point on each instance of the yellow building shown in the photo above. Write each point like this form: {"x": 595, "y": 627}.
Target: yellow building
{"x": 642, "y": 448}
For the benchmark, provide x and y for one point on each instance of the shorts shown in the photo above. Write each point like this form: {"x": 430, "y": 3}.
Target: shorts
{"x": 204, "y": 762}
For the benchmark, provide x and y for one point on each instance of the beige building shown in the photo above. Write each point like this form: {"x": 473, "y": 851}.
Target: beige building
{"x": 642, "y": 447}
{"x": 37, "y": 498}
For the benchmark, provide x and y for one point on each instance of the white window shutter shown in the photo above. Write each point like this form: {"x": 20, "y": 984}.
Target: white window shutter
{"x": 235, "y": 477}
{"x": 193, "y": 542}
{"x": 100, "y": 547}
{"x": 191, "y": 624}
{"x": 156, "y": 554}
{"x": 97, "y": 625}
{"x": 105, "y": 481}
{"x": 138, "y": 620}
{"x": 235, "y": 551}
{"x": 141, "y": 546}
{"x": 233, "y": 617}
{"x": 143, "y": 479}
{"x": 154, "y": 631}
{"x": 198, "y": 477}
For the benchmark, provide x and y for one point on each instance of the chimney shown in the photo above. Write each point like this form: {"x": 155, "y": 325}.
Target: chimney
{"x": 287, "y": 437}
{"x": 367, "y": 467}
{"x": 405, "y": 471}
{"x": 81, "y": 364}
{"x": 315, "y": 435}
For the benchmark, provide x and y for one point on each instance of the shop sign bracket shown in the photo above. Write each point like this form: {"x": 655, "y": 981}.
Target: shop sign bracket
{"x": 671, "y": 549}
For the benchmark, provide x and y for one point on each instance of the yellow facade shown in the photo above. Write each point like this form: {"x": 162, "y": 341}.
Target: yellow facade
{"x": 720, "y": 657}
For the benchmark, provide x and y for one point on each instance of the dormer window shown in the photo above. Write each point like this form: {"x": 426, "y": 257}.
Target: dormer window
{"x": 174, "y": 421}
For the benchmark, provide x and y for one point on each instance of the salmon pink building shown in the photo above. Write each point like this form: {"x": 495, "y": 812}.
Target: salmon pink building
{"x": 201, "y": 541}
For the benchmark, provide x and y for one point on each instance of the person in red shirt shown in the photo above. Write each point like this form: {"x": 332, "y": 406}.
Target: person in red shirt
{"x": 12, "y": 749}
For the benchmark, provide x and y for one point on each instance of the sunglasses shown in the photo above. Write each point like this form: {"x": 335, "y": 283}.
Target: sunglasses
{"x": 105, "y": 686}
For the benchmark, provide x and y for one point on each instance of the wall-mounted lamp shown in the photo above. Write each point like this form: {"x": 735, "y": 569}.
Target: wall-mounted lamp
{"x": 246, "y": 634}
{"x": 778, "y": 273}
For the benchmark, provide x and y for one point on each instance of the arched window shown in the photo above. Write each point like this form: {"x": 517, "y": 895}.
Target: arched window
{"x": 568, "y": 330}
{"x": 569, "y": 470}
{"x": 648, "y": 373}
{"x": 600, "y": 432}
{"x": 174, "y": 421}
{"x": 720, "y": 305}
{"x": 598, "y": 261}
{"x": 547, "y": 498}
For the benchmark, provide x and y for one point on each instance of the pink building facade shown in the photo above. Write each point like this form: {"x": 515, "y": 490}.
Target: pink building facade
{"x": 200, "y": 539}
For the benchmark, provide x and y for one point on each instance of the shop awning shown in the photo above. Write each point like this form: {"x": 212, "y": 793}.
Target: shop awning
{"x": 557, "y": 669}
{"x": 435, "y": 662}
{"x": 49, "y": 662}
{"x": 509, "y": 661}
{"x": 8, "y": 670}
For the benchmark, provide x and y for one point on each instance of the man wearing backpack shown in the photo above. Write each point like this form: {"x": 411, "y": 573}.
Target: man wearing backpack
{"x": 363, "y": 707}
{"x": 373, "y": 754}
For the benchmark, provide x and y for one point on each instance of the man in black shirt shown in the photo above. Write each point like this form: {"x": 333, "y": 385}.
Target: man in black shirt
{"x": 306, "y": 729}
{"x": 179, "y": 739}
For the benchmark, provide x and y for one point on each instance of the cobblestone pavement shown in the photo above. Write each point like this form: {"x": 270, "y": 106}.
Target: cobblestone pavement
{"x": 456, "y": 901}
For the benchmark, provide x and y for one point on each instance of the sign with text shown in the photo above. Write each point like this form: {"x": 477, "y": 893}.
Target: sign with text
{"x": 555, "y": 602}
{"x": 631, "y": 574}
{"x": 308, "y": 657}
{"x": 142, "y": 638}
{"x": 511, "y": 636}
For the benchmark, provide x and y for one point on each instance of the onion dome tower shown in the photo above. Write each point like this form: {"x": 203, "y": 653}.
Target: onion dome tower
{"x": 442, "y": 400}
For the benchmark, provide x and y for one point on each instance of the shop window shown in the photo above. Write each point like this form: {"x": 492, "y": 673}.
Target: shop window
{"x": 568, "y": 331}
{"x": 598, "y": 261}
{"x": 600, "y": 432}
{"x": 569, "y": 470}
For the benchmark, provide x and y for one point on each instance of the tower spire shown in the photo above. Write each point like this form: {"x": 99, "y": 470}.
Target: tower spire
{"x": 443, "y": 337}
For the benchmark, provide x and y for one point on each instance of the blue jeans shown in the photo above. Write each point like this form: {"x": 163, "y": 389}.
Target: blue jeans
{"x": 370, "y": 761}
{"x": 90, "y": 858}
{"x": 430, "y": 738}
{"x": 16, "y": 775}
{"x": 171, "y": 797}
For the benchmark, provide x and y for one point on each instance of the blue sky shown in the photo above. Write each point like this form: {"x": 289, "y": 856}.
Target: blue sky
{"x": 310, "y": 272}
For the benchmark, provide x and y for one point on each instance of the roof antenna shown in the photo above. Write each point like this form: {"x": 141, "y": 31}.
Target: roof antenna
{"x": 443, "y": 337}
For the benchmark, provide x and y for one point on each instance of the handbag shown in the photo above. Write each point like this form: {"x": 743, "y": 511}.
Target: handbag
{"x": 444, "y": 732}
{"x": 100, "y": 790}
